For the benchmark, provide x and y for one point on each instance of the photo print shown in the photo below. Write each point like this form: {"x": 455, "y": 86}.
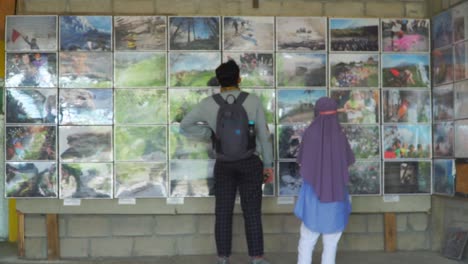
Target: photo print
{"x": 140, "y": 180}
{"x": 267, "y": 98}
{"x": 301, "y": 33}
{"x": 461, "y": 140}
{"x": 193, "y": 69}
{"x": 405, "y": 35}
{"x": 25, "y": 143}
{"x": 442, "y": 102}
{"x": 85, "y": 69}
{"x": 442, "y": 66}
{"x": 443, "y": 177}
{"x": 354, "y": 34}
{"x": 140, "y": 106}
{"x": 461, "y": 99}
{"x": 364, "y": 178}
{"x": 196, "y": 182}
{"x": 442, "y": 29}
{"x": 407, "y": 177}
{"x": 248, "y": 33}
{"x": 443, "y": 139}
{"x": 31, "y": 106}
{"x": 256, "y": 69}
{"x": 182, "y": 101}
{"x": 298, "y": 105}
{"x": 460, "y": 22}
{"x": 140, "y": 143}
{"x": 85, "y": 143}
{"x": 407, "y": 142}
{"x": 31, "y": 70}
{"x": 290, "y": 180}
{"x": 85, "y": 33}
{"x": 31, "y": 33}
{"x": 289, "y": 140}
{"x": 357, "y": 106}
{"x": 405, "y": 70}
{"x": 85, "y": 107}
{"x": 364, "y": 140}
{"x": 139, "y": 69}
{"x": 141, "y": 33}
{"x": 193, "y": 148}
{"x": 86, "y": 180}
{"x": 31, "y": 180}
{"x": 461, "y": 61}
{"x": 301, "y": 69}
{"x": 194, "y": 33}
{"x": 406, "y": 106}
{"x": 354, "y": 70}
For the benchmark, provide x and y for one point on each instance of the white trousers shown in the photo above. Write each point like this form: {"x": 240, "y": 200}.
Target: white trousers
{"x": 307, "y": 243}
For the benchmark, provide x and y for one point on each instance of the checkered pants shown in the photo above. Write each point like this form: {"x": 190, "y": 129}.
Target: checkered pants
{"x": 247, "y": 175}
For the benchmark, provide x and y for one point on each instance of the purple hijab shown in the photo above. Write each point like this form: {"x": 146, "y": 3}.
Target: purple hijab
{"x": 325, "y": 153}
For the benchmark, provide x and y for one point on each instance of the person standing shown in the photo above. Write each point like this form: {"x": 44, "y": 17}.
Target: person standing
{"x": 246, "y": 174}
{"x": 323, "y": 204}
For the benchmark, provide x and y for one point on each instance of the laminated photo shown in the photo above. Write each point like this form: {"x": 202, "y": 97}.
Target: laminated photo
{"x": 193, "y": 69}
{"x": 405, "y": 35}
{"x": 364, "y": 178}
{"x": 31, "y": 33}
{"x": 460, "y": 61}
{"x": 406, "y": 106}
{"x": 442, "y": 29}
{"x": 442, "y": 66}
{"x": 443, "y": 139}
{"x": 407, "y": 141}
{"x": 301, "y": 33}
{"x": 141, "y": 33}
{"x": 248, "y": 33}
{"x": 357, "y": 106}
{"x": 85, "y": 107}
{"x": 297, "y": 105}
{"x": 31, "y": 106}
{"x": 182, "y": 101}
{"x": 289, "y": 140}
{"x": 461, "y": 99}
{"x": 460, "y": 22}
{"x": 443, "y": 177}
{"x": 85, "y": 143}
{"x": 140, "y": 180}
{"x": 267, "y": 98}
{"x": 354, "y": 70}
{"x": 461, "y": 140}
{"x": 86, "y": 180}
{"x": 364, "y": 140}
{"x": 31, "y": 180}
{"x": 31, "y": 70}
{"x": 85, "y": 33}
{"x": 442, "y": 102}
{"x": 139, "y": 69}
{"x": 189, "y": 148}
{"x": 140, "y": 106}
{"x": 354, "y": 34}
{"x": 194, "y": 33}
{"x": 85, "y": 69}
{"x": 256, "y": 69}
{"x": 301, "y": 69}
{"x": 407, "y": 177}
{"x": 191, "y": 178}
{"x": 405, "y": 70}
{"x": 24, "y": 143}
{"x": 290, "y": 180}
{"x": 140, "y": 143}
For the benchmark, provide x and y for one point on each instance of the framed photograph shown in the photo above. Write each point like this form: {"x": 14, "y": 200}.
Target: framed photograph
{"x": 248, "y": 33}
{"x": 455, "y": 243}
{"x": 357, "y": 106}
{"x": 139, "y": 69}
{"x": 442, "y": 103}
{"x": 142, "y": 33}
{"x": 354, "y": 34}
{"x": 24, "y": 143}
{"x": 405, "y": 35}
{"x": 86, "y": 180}
{"x": 183, "y": 147}
{"x": 268, "y": 100}
{"x": 86, "y": 107}
{"x": 406, "y": 106}
{"x": 442, "y": 66}
{"x": 85, "y": 33}
{"x": 442, "y": 29}
{"x": 354, "y": 70}
{"x": 301, "y": 69}
{"x": 289, "y": 140}
{"x": 140, "y": 180}
{"x": 191, "y": 178}
{"x": 30, "y": 33}
{"x": 365, "y": 178}
{"x": 256, "y": 69}
{"x": 31, "y": 106}
{"x": 460, "y": 22}
{"x": 85, "y": 143}
{"x": 182, "y": 101}
{"x": 364, "y": 140}
{"x": 194, "y": 33}
{"x": 140, "y": 106}
{"x": 407, "y": 177}
{"x": 85, "y": 69}
{"x": 443, "y": 177}
{"x": 405, "y": 70}
{"x": 31, "y": 70}
{"x": 193, "y": 69}
{"x": 461, "y": 61}
{"x": 140, "y": 143}
{"x": 301, "y": 33}
{"x": 407, "y": 141}
{"x": 298, "y": 105}
{"x": 461, "y": 99}
{"x": 31, "y": 180}
{"x": 461, "y": 140}
{"x": 290, "y": 180}
{"x": 443, "y": 136}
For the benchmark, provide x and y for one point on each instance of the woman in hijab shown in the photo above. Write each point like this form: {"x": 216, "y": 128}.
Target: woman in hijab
{"x": 323, "y": 204}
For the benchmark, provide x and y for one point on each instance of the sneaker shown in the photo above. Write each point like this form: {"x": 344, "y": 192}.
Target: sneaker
{"x": 259, "y": 261}
{"x": 222, "y": 260}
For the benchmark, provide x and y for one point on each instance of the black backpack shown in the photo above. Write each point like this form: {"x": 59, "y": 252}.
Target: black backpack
{"x": 234, "y": 137}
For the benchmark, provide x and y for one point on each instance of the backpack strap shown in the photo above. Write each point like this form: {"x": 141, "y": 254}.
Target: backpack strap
{"x": 241, "y": 98}
{"x": 219, "y": 99}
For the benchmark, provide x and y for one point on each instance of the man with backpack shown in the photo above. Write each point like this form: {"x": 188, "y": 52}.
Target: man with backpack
{"x": 235, "y": 121}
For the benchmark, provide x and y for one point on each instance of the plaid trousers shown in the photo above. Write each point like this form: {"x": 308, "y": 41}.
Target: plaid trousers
{"x": 247, "y": 176}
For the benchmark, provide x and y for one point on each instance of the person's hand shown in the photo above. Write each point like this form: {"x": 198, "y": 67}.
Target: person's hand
{"x": 268, "y": 175}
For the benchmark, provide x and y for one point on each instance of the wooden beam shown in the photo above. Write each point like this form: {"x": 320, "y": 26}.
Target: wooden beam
{"x": 53, "y": 242}
{"x": 7, "y": 7}
{"x": 21, "y": 252}
{"x": 255, "y": 4}
{"x": 390, "y": 232}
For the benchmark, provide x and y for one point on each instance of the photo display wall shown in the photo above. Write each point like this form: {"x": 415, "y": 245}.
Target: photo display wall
{"x": 94, "y": 103}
